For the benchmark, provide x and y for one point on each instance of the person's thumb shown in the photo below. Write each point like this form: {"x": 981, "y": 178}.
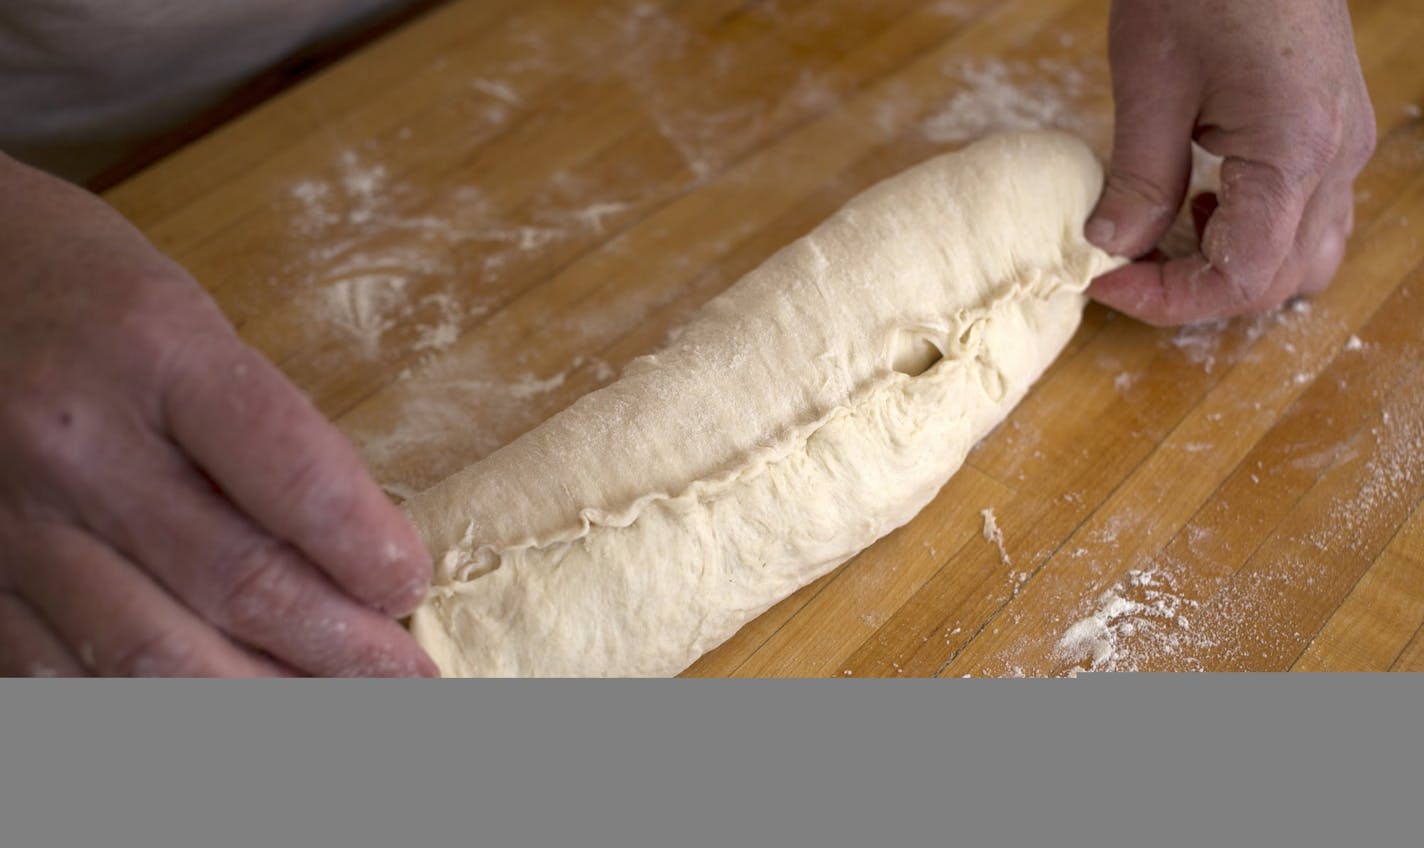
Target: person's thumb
{"x": 1150, "y": 168}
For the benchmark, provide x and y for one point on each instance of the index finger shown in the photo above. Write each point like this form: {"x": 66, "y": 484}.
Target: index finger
{"x": 273, "y": 454}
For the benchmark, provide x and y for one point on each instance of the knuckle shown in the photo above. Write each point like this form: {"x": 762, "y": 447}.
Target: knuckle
{"x": 176, "y": 343}
{"x": 178, "y": 360}
{"x": 1275, "y": 185}
{"x": 153, "y": 313}
{"x": 152, "y": 300}
{"x": 320, "y": 497}
{"x": 1366, "y": 139}
{"x": 139, "y": 314}
{"x": 263, "y": 586}
{"x": 1323, "y": 124}
{"x": 48, "y": 427}
{"x": 1360, "y": 130}
{"x": 1318, "y": 137}
{"x": 158, "y": 653}
{"x": 1245, "y": 289}
{"x": 151, "y": 340}
{"x": 1142, "y": 190}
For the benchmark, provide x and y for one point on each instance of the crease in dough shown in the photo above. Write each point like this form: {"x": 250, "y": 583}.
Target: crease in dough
{"x": 785, "y": 436}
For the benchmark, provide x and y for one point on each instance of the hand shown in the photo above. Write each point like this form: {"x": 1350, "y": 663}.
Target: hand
{"x": 1274, "y": 87}
{"x": 169, "y": 504}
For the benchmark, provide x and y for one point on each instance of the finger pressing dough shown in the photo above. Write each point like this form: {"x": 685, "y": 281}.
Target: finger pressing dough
{"x": 810, "y": 409}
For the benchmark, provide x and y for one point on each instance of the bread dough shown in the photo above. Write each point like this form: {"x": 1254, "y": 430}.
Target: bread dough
{"x": 804, "y": 413}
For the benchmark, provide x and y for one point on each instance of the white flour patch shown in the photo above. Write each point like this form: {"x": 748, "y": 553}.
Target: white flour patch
{"x": 1203, "y": 344}
{"x": 364, "y": 184}
{"x": 593, "y": 215}
{"x": 599, "y": 368}
{"x": 1199, "y": 343}
{"x": 1143, "y": 604}
{"x": 1093, "y": 638}
{"x": 1394, "y": 470}
{"x": 497, "y": 88}
{"x": 399, "y": 275}
{"x": 1164, "y": 615}
{"x": 384, "y": 258}
{"x": 391, "y": 255}
{"x": 1126, "y": 380}
{"x": 528, "y": 386}
{"x": 894, "y": 109}
{"x": 603, "y": 372}
{"x": 444, "y": 330}
{"x": 315, "y": 199}
{"x": 999, "y": 96}
{"x": 365, "y": 306}
{"x": 699, "y": 133}
{"x": 447, "y": 415}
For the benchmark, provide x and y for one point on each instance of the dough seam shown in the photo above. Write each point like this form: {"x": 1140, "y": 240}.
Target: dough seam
{"x": 812, "y": 408}
{"x": 466, "y": 564}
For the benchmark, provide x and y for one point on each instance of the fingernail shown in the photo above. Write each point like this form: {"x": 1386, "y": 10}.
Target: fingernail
{"x": 415, "y": 553}
{"x": 1100, "y": 231}
{"x": 407, "y": 598}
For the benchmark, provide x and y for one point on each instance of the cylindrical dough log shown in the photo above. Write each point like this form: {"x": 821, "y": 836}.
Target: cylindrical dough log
{"x": 775, "y": 437}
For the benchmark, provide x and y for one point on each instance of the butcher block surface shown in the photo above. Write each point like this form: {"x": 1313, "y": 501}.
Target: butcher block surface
{"x": 463, "y": 226}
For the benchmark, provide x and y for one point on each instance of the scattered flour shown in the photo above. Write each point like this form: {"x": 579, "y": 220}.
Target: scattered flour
{"x": 999, "y": 96}
{"x": 364, "y": 307}
{"x": 1204, "y": 343}
{"x": 1394, "y": 470}
{"x": 466, "y": 409}
{"x": 389, "y": 272}
{"x": 363, "y": 182}
{"x": 1199, "y": 343}
{"x": 497, "y": 88}
{"x": 1167, "y": 615}
{"x": 445, "y": 331}
{"x": 593, "y": 215}
{"x": 1094, "y": 638}
{"x": 1142, "y": 604}
{"x": 387, "y": 254}
{"x": 528, "y": 386}
{"x": 1126, "y": 380}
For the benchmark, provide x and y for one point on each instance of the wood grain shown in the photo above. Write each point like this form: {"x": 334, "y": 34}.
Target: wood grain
{"x": 462, "y": 227}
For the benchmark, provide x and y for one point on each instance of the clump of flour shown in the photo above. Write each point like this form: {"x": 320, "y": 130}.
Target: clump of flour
{"x": 994, "y": 535}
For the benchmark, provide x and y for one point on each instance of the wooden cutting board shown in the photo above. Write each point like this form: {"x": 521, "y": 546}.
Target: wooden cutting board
{"x": 466, "y": 225}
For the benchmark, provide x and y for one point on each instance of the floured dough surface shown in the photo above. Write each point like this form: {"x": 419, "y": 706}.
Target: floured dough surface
{"x": 810, "y": 409}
